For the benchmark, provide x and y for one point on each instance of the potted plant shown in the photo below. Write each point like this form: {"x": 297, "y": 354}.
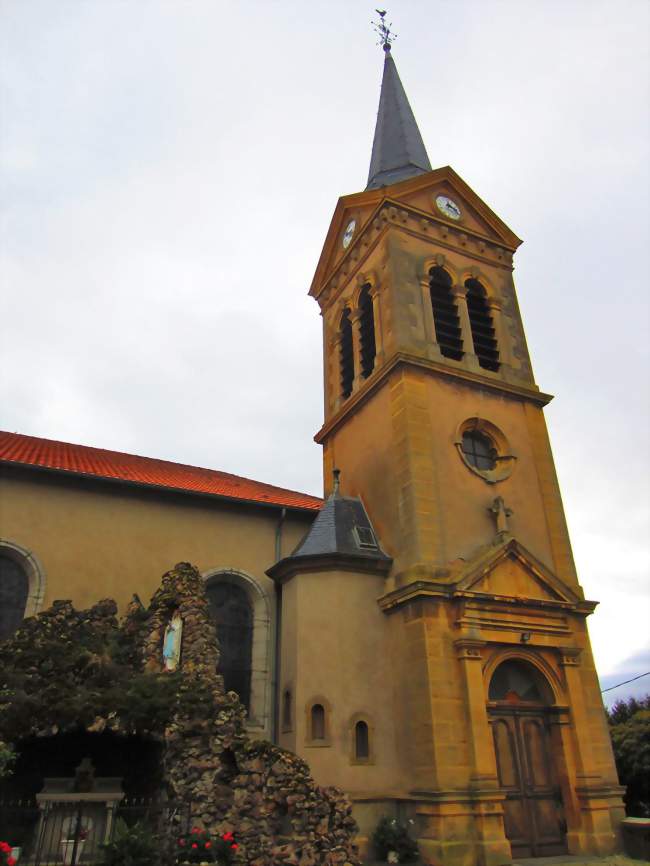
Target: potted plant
{"x": 6, "y": 855}
{"x": 198, "y": 846}
{"x": 68, "y": 846}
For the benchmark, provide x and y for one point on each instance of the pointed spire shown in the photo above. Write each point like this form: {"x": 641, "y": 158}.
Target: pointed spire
{"x": 398, "y": 151}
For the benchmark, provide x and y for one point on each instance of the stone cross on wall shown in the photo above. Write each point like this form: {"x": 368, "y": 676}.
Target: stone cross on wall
{"x": 501, "y": 514}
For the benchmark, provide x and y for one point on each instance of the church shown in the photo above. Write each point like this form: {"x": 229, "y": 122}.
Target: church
{"x": 419, "y": 636}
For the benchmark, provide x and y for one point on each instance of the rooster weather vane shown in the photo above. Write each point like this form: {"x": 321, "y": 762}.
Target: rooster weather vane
{"x": 386, "y": 36}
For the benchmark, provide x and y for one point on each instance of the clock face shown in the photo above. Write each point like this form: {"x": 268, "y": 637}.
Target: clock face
{"x": 347, "y": 234}
{"x": 448, "y": 207}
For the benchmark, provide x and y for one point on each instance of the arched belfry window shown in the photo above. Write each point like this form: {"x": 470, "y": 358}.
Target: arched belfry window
{"x": 445, "y": 314}
{"x": 232, "y": 614}
{"x": 480, "y": 320}
{"x": 347, "y": 354}
{"x": 367, "y": 332}
{"x": 14, "y": 589}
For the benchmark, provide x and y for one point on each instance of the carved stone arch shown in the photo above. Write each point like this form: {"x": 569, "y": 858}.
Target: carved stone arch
{"x": 475, "y": 273}
{"x": 34, "y": 571}
{"x": 438, "y": 261}
{"x": 261, "y": 697}
{"x": 531, "y": 657}
{"x": 369, "y": 279}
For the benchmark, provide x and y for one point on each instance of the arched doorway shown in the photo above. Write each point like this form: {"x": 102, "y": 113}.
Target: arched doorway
{"x": 519, "y": 701}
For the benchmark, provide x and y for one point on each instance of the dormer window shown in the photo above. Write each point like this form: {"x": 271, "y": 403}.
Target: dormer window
{"x": 365, "y": 538}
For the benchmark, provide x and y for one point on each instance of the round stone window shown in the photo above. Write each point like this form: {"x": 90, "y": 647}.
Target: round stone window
{"x": 484, "y": 449}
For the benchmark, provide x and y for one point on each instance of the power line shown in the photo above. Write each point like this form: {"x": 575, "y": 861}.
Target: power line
{"x": 602, "y": 691}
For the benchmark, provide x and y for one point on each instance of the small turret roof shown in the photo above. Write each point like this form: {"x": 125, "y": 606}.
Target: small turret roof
{"x": 398, "y": 151}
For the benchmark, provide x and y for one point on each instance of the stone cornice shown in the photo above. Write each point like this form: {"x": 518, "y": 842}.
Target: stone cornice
{"x": 532, "y": 394}
{"x": 417, "y": 223}
{"x": 431, "y": 589}
{"x": 287, "y": 568}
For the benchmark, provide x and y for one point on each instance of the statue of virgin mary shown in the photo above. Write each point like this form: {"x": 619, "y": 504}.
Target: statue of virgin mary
{"x": 172, "y": 643}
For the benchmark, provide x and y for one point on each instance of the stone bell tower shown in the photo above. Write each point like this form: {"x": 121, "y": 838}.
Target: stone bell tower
{"x": 494, "y": 731}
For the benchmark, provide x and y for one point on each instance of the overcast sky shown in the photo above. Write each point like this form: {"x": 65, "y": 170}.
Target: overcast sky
{"x": 169, "y": 170}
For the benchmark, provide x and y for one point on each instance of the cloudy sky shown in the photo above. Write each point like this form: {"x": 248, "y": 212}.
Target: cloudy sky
{"x": 169, "y": 169}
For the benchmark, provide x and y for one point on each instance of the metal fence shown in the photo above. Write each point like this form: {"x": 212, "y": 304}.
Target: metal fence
{"x": 72, "y": 833}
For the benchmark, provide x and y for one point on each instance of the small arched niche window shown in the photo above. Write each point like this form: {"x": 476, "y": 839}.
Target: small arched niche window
{"x": 445, "y": 314}
{"x": 480, "y": 320}
{"x": 367, "y": 331}
{"x": 361, "y": 741}
{"x": 14, "y": 589}
{"x": 318, "y": 722}
{"x": 232, "y": 613}
{"x": 517, "y": 681}
{"x": 347, "y": 354}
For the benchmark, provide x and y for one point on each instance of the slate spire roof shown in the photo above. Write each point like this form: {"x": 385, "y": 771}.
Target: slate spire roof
{"x": 342, "y": 529}
{"x": 398, "y": 151}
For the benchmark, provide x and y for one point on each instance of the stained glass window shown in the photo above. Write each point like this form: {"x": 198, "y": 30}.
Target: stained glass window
{"x": 232, "y": 613}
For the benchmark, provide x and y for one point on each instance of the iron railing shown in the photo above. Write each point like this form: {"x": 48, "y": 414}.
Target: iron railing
{"x": 71, "y": 833}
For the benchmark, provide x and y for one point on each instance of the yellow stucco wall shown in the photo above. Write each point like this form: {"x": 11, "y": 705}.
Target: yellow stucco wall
{"x": 96, "y": 540}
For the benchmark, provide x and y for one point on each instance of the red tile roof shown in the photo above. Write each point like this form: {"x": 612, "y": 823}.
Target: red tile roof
{"x": 97, "y": 463}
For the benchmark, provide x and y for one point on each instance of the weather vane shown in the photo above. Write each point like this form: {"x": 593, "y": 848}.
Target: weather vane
{"x": 386, "y": 36}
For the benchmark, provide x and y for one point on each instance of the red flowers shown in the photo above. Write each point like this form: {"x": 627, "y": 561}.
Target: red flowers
{"x": 5, "y": 848}
{"x": 204, "y": 847}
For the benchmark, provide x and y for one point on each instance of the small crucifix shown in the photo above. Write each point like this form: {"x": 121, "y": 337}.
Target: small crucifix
{"x": 501, "y": 514}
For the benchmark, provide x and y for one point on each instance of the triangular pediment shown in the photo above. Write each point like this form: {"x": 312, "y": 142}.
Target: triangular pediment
{"x": 417, "y": 195}
{"x": 509, "y": 571}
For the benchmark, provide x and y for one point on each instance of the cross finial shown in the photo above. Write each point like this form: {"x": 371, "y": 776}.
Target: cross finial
{"x": 501, "y": 513}
{"x": 386, "y": 36}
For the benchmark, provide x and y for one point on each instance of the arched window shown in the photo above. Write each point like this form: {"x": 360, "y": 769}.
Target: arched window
{"x": 14, "y": 589}
{"x": 347, "y": 355}
{"x": 445, "y": 314}
{"x": 367, "y": 332}
{"x": 480, "y": 320}
{"x": 317, "y": 722}
{"x": 361, "y": 741}
{"x": 516, "y": 680}
{"x": 232, "y": 614}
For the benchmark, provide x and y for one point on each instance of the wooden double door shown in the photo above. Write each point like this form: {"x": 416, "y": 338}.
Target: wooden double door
{"x": 533, "y": 812}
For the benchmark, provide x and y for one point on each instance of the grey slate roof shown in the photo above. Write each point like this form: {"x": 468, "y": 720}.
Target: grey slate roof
{"x": 398, "y": 151}
{"x": 333, "y": 531}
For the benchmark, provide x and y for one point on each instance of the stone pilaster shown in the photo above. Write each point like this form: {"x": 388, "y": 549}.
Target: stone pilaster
{"x": 459, "y": 293}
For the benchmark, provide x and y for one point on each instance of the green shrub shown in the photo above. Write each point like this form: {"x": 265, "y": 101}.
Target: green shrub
{"x": 390, "y": 835}
{"x": 131, "y": 846}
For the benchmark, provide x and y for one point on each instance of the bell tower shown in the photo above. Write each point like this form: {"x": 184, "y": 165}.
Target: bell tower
{"x": 493, "y": 721}
{"x": 431, "y": 408}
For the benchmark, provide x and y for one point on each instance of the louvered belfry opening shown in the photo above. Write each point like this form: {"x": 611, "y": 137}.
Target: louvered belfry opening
{"x": 367, "y": 332}
{"x": 445, "y": 314}
{"x": 480, "y": 319}
{"x": 347, "y": 355}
